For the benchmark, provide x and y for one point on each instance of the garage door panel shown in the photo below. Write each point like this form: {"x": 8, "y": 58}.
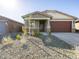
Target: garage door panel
{"x": 2, "y": 28}
{"x": 61, "y": 26}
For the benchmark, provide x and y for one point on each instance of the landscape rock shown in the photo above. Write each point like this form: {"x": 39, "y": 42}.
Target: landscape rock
{"x": 30, "y": 51}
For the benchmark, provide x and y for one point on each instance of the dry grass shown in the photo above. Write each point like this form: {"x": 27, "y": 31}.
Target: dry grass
{"x": 7, "y": 40}
{"x": 16, "y": 43}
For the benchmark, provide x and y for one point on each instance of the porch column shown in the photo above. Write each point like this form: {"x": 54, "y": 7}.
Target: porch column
{"x": 73, "y": 26}
{"x": 29, "y": 27}
{"x": 38, "y": 26}
{"x": 48, "y": 26}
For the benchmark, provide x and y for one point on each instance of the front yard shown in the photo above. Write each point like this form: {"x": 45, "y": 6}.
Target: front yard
{"x": 29, "y": 47}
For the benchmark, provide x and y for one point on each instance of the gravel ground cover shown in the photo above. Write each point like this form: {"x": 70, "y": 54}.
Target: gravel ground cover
{"x": 32, "y": 51}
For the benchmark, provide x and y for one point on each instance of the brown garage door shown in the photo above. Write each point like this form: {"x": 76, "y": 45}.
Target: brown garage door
{"x": 61, "y": 26}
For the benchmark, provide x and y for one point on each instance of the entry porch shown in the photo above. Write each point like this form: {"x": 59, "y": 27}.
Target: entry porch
{"x": 38, "y": 25}
{"x": 37, "y": 21}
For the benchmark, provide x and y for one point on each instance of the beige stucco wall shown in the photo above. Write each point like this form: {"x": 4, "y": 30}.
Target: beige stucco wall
{"x": 56, "y": 15}
{"x": 77, "y": 26}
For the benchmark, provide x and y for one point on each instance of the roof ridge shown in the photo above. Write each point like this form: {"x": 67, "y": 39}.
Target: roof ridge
{"x": 37, "y": 12}
{"x": 60, "y": 12}
{"x": 30, "y": 13}
{"x": 10, "y": 19}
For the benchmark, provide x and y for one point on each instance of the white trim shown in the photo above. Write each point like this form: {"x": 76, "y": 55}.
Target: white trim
{"x": 37, "y": 18}
{"x": 29, "y": 27}
{"x": 72, "y": 26}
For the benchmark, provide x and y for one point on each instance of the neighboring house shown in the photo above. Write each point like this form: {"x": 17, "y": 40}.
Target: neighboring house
{"x": 54, "y": 20}
{"x": 8, "y": 25}
{"x": 77, "y": 25}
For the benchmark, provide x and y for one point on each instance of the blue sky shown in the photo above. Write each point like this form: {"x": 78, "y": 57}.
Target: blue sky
{"x": 14, "y": 9}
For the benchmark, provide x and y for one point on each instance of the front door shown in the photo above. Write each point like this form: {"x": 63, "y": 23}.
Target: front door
{"x": 42, "y": 25}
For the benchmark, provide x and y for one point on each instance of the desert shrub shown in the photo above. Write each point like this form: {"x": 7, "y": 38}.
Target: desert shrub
{"x": 19, "y": 42}
{"x": 36, "y": 33}
{"x": 23, "y": 41}
{"x": 7, "y": 40}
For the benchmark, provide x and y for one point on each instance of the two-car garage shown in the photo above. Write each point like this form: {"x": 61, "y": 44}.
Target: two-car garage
{"x": 61, "y": 26}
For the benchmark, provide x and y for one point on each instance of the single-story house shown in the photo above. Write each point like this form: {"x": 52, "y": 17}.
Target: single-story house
{"x": 52, "y": 20}
{"x": 8, "y": 25}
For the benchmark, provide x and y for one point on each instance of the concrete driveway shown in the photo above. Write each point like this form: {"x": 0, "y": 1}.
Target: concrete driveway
{"x": 70, "y": 38}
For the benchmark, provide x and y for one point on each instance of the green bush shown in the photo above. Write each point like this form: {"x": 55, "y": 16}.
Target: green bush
{"x": 18, "y": 37}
